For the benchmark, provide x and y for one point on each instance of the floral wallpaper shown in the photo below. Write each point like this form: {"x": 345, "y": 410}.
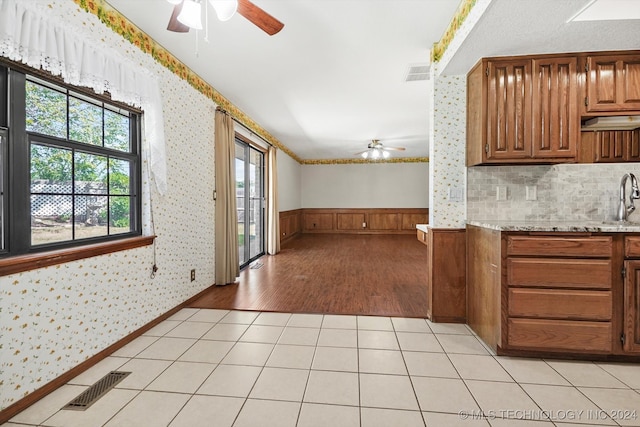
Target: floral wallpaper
{"x": 54, "y": 318}
{"x": 447, "y": 170}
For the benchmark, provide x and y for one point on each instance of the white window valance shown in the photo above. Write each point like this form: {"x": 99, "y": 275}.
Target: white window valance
{"x": 30, "y": 35}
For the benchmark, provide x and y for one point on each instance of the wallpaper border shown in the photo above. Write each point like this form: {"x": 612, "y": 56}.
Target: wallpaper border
{"x": 461, "y": 14}
{"x": 118, "y": 23}
{"x": 364, "y": 161}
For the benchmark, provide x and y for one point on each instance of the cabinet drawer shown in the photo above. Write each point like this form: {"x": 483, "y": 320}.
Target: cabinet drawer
{"x": 632, "y": 246}
{"x": 596, "y": 247}
{"x": 559, "y": 273}
{"x": 560, "y": 304}
{"x": 560, "y": 335}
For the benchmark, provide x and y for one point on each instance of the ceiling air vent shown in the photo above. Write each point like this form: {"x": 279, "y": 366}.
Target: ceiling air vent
{"x": 418, "y": 72}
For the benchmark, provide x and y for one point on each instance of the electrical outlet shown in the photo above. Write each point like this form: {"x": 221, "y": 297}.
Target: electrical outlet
{"x": 456, "y": 194}
{"x": 364, "y": 225}
{"x": 193, "y": 274}
{"x": 501, "y": 192}
{"x": 531, "y": 192}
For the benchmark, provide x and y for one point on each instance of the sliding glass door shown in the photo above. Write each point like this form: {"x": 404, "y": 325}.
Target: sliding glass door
{"x": 250, "y": 200}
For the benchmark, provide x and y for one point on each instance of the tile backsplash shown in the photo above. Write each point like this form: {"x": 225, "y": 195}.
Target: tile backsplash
{"x": 564, "y": 192}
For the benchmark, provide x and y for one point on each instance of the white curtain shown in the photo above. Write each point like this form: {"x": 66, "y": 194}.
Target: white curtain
{"x": 30, "y": 34}
{"x": 273, "y": 216}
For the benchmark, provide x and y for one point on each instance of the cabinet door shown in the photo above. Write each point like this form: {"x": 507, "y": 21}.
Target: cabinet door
{"x": 555, "y": 121}
{"x": 631, "y": 301}
{"x": 508, "y": 110}
{"x": 613, "y": 83}
{"x": 617, "y": 146}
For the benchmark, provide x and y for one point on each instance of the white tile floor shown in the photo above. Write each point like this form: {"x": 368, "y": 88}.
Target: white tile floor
{"x": 232, "y": 368}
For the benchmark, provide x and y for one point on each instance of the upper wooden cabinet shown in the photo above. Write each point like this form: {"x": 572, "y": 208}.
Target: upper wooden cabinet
{"x": 522, "y": 111}
{"x": 612, "y": 83}
{"x": 555, "y": 123}
{"x": 508, "y": 109}
{"x": 610, "y": 146}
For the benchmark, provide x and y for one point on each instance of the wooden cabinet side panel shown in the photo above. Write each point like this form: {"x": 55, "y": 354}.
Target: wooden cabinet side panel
{"x": 422, "y": 237}
{"x": 447, "y": 249}
{"x": 560, "y": 335}
{"x": 555, "y": 121}
{"x": 476, "y": 115}
{"x": 484, "y": 284}
{"x": 631, "y": 306}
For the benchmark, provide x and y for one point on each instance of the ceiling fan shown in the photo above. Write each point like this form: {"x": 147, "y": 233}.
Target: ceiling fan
{"x": 187, "y": 14}
{"x": 376, "y": 151}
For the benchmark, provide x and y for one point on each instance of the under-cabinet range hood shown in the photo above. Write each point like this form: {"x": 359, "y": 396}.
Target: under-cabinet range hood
{"x": 612, "y": 123}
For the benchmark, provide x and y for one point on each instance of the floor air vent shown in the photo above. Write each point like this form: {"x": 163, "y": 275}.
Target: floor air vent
{"x": 96, "y": 391}
{"x": 256, "y": 265}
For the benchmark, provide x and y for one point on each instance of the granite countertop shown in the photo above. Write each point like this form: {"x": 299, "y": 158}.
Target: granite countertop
{"x": 575, "y": 226}
{"x": 422, "y": 227}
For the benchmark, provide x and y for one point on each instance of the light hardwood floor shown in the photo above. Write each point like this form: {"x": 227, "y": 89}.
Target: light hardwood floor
{"x": 381, "y": 275}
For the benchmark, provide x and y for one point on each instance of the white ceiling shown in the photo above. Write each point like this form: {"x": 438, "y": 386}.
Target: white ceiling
{"x": 334, "y": 77}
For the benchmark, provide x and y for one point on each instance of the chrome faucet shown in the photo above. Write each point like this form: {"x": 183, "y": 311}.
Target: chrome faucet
{"x": 623, "y": 210}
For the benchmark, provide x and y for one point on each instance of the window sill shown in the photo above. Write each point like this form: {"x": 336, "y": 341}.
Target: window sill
{"x": 22, "y": 263}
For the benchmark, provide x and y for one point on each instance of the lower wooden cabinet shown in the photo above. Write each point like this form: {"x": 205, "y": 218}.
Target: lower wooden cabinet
{"x": 563, "y": 294}
{"x": 559, "y": 335}
{"x": 446, "y": 280}
{"x": 631, "y": 337}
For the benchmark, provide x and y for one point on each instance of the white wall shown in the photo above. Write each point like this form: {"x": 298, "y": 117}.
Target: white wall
{"x": 289, "y": 177}
{"x": 368, "y": 185}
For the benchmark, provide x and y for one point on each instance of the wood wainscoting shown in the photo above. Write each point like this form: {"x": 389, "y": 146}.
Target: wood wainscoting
{"x": 290, "y": 224}
{"x": 364, "y": 221}
{"x": 351, "y": 221}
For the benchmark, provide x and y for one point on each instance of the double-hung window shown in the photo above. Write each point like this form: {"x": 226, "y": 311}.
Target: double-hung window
{"x": 70, "y": 167}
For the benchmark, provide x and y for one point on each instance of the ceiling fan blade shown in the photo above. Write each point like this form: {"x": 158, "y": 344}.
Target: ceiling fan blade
{"x": 394, "y": 148}
{"x": 175, "y": 25}
{"x": 259, "y": 17}
{"x": 360, "y": 153}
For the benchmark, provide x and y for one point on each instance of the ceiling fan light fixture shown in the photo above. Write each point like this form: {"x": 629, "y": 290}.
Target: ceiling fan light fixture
{"x": 225, "y": 9}
{"x": 191, "y": 14}
{"x": 365, "y": 155}
{"x": 385, "y": 154}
